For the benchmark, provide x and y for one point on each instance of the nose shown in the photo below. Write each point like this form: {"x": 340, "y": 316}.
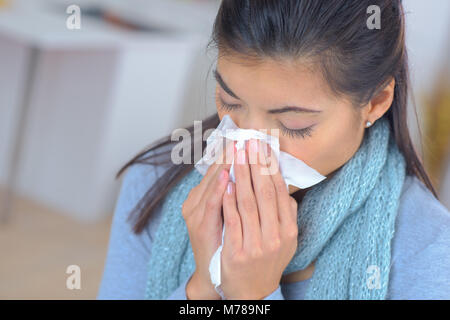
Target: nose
{"x": 249, "y": 121}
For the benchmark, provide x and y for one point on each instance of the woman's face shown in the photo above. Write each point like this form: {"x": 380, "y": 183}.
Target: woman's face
{"x": 325, "y": 135}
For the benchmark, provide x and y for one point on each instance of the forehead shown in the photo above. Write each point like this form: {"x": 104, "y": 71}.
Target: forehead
{"x": 274, "y": 81}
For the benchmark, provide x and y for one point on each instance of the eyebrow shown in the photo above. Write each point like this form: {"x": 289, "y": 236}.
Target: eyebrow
{"x": 296, "y": 109}
{"x": 224, "y": 86}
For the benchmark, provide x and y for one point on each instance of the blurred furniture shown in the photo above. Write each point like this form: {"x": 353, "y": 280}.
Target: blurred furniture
{"x": 75, "y": 105}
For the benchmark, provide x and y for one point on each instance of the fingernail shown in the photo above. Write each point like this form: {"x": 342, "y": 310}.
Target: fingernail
{"x": 223, "y": 175}
{"x": 254, "y": 145}
{"x": 229, "y": 187}
{"x": 229, "y": 156}
{"x": 266, "y": 148}
{"x": 241, "y": 156}
{"x": 263, "y": 148}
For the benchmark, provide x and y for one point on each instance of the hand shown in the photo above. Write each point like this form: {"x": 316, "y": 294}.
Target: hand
{"x": 202, "y": 212}
{"x": 261, "y": 228}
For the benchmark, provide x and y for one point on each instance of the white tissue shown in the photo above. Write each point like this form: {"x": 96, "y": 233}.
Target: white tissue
{"x": 294, "y": 171}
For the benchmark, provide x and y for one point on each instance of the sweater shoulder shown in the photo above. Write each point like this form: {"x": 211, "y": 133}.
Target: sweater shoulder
{"x": 138, "y": 179}
{"x": 420, "y": 246}
{"x": 125, "y": 274}
{"x": 421, "y": 218}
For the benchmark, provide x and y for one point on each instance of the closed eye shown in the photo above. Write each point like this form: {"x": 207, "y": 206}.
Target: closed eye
{"x": 228, "y": 107}
{"x": 295, "y": 133}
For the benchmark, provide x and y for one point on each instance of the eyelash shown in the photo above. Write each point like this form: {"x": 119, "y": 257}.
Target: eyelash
{"x": 286, "y": 131}
{"x": 228, "y": 107}
{"x": 297, "y": 133}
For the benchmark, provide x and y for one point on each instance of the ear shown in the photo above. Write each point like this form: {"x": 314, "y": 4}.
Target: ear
{"x": 380, "y": 103}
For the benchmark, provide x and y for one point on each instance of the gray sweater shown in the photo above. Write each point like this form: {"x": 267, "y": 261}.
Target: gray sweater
{"x": 420, "y": 264}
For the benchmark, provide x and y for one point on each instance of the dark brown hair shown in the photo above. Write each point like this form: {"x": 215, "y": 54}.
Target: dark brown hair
{"x": 356, "y": 61}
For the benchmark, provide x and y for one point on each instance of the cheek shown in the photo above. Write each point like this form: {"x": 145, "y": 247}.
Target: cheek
{"x": 219, "y": 110}
{"x": 220, "y": 113}
{"x": 310, "y": 150}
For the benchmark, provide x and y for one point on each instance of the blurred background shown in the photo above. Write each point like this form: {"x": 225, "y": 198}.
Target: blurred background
{"x": 80, "y": 97}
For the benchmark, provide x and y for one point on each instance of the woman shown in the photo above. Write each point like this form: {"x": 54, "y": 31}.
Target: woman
{"x": 337, "y": 91}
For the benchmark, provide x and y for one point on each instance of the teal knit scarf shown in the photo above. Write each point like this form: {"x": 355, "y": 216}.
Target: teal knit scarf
{"x": 346, "y": 224}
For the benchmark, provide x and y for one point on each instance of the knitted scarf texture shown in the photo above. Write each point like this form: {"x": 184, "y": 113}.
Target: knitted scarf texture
{"x": 346, "y": 224}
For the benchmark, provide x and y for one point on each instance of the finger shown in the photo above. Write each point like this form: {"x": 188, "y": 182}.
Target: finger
{"x": 285, "y": 212}
{"x": 222, "y": 163}
{"x": 232, "y": 238}
{"x": 265, "y": 192}
{"x": 203, "y": 190}
{"x": 214, "y": 170}
{"x": 247, "y": 206}
{"x": 212, "y": 200}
